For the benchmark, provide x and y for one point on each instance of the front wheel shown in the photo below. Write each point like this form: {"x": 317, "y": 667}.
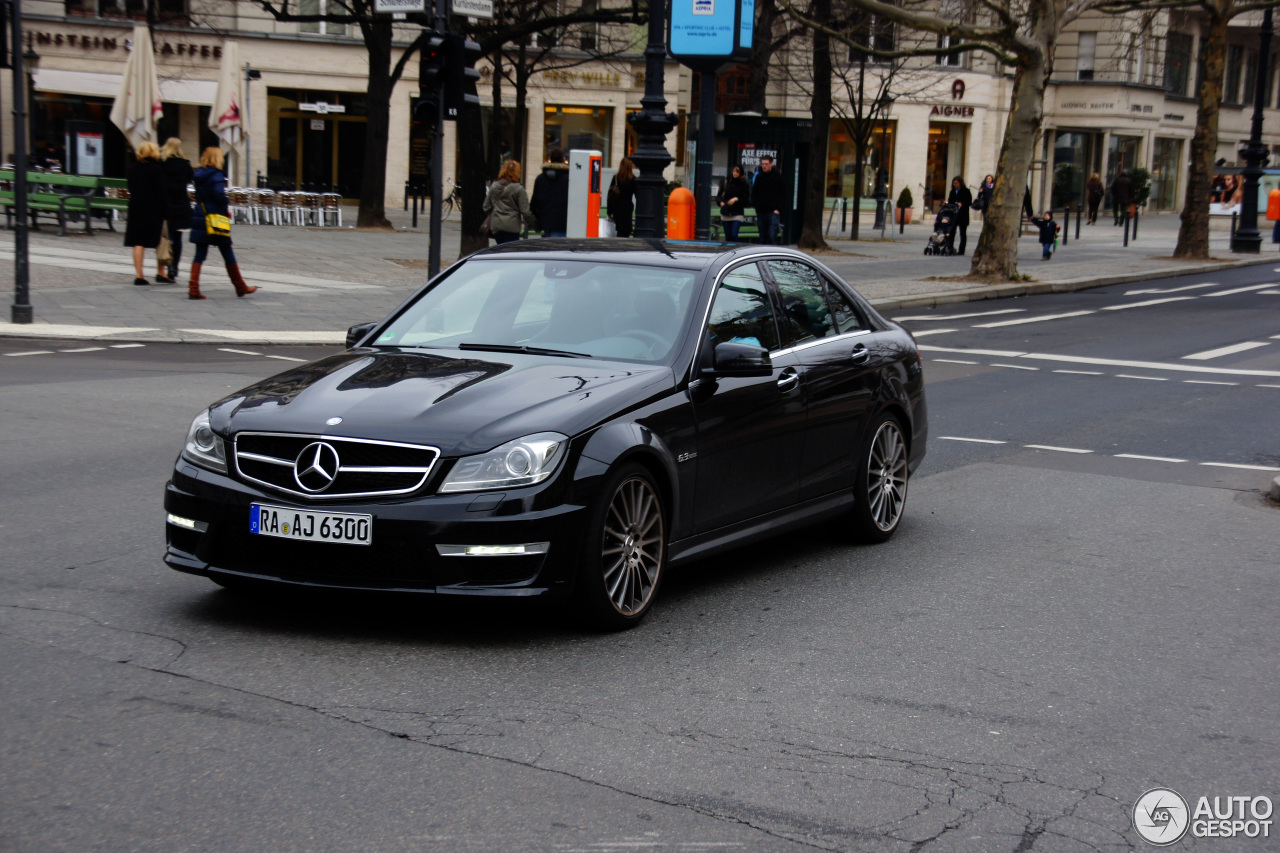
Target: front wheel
{"x": 625, "y": 551}
{"x": 880, "y": 490}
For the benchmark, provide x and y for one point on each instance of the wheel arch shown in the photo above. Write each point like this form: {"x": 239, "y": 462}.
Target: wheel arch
{"x": 621, "y": 443}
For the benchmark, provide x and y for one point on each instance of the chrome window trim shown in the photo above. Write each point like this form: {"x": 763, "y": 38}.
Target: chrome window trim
{"x": 819, "y": 341}
{"x": 426, "y": 471}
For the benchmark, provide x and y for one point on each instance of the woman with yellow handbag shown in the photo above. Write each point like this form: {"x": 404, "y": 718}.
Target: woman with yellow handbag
{"x": 211, "y": 223}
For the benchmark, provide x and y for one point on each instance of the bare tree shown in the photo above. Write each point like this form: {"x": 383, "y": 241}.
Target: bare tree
{"x": 1017, "y": 33}
{"x": 1193, "y": 234}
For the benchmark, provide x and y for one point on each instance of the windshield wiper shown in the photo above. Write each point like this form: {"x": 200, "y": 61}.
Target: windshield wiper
{"x": 521, "y": 348}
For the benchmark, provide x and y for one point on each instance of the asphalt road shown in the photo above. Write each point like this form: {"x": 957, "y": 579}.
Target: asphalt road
{"x": 1050, "y": 634}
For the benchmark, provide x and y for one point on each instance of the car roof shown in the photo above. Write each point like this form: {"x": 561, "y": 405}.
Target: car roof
{"x": 681, "y": 254}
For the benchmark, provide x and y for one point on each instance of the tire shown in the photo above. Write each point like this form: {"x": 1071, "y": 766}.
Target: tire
{"x": 880, "y": 490}
{"x": 624, "y": 553}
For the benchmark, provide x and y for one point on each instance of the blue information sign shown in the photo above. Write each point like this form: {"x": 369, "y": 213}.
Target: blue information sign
{"x": 708, "y": 35}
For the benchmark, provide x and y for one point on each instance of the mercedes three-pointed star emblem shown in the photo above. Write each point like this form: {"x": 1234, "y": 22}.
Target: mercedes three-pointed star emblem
{"x": 316, "y": 467}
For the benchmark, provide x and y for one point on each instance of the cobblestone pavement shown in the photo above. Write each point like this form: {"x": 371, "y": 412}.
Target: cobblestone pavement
{"x": 315, "y": 282}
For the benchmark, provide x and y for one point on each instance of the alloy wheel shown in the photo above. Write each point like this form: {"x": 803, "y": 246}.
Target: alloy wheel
{"x": 633, "y": 546}
{"x": 887, "y": 476}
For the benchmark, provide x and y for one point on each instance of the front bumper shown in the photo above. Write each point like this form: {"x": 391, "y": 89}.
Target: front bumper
{"x": 403, "y": 554}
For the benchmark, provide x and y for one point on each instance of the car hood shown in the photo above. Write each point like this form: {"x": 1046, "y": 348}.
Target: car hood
{"x": 460, "y": 403}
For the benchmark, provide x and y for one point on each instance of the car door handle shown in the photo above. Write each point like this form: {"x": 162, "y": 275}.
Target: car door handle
{"x": 860, "y": 353}
{"x": 788, "y": 381}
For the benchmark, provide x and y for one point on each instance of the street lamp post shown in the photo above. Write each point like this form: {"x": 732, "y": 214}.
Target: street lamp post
{"x": 652, "y": 124}
{"x": 1247, "y": 238}
{"x": 21, "y": 312}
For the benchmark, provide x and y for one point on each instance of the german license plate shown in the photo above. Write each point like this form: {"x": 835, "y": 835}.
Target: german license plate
{"x": 343, "y": 527}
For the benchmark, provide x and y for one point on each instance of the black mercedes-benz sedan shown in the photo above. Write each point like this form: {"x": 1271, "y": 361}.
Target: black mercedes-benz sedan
{"x": 561, "y": 417}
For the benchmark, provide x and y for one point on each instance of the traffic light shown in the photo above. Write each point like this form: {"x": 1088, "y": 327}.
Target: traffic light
{"x": 431, "y": 71}
{"x": 461, "y": 76}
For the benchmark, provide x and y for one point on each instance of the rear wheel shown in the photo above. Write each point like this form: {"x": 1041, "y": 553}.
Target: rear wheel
{"x": 880, "y": 490}
{"x": 625, "y": 551}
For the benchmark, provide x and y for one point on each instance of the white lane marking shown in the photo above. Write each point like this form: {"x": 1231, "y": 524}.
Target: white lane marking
{"x": 1058, "y": 449}
{"x": 1172, "y": 289}
{"x": 126, "y": 346}
{"x": 1022, "y": 320}
{"x": 286, "y": 358}
{"x": 83, "y": 349}
{"x": 1148, "y": 302}
{"x": 999, "y": 353}
{"x": 1244, "y": 467}
{"x": 1152, "y": 378}
{"x": 953, "y": 361}
{"x": 1107, "y": 362}
{"x": 238, "y": 351}
{"x": 949, "y": 317}
{"x": 1148, "y": 458}
{"x": 1269, "y": 386}
{"x": 1236, "y": 290}
{"x": 276, "y": 336}
{"x": 1275, "y": 292}
{"x": 1082, "y": 372}
{"x": 1014, "y": 366}
{"x": 32, "y": 352}
{"x": 1229, "y": 350}
{"x": 974, "y": 440}
{"x": 923, "y": 332}
{"x": 1207, "y": 382}
{"x": 1275, "y": 337}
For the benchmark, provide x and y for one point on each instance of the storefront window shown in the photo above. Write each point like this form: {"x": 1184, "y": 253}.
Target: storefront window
{"x": 578, "y": 129}
{"x": 842, "y": 160}
{"x": 946, "y": 160}
{"x": 1164, "y": 174}
{"x": 1072, "y": 154}
{"x": 1123, "y": 155}
{"x": 166, "y": 11}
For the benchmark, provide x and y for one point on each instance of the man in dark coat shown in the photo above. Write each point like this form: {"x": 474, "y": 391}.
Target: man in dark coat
{"x": 1121, "y": 195}
{"x": 550, "y": 203}
{"x": 768, "y": 195}
{"x": 962, "y": 198}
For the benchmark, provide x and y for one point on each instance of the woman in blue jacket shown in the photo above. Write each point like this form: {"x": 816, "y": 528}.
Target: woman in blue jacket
{"x": 211, "y": 197}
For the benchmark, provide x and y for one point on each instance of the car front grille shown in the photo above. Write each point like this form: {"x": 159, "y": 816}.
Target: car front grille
{"x": 318, "y": 467}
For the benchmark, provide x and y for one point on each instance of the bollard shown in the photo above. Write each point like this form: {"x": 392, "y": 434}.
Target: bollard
{"x": 1126, "y": 227}
{"x": 1079, "y": 208}
{"x": 1066, "y": 232}
{"x": 902, "y": 220}
{"x": 844, "y": 215}
{"x": 1135, "y": 223}
{"x": 1233, "y": 225}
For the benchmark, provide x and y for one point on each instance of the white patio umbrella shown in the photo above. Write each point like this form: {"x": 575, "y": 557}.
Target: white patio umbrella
{"x": 138, "y": 103}
{"x": 227, "y": 117}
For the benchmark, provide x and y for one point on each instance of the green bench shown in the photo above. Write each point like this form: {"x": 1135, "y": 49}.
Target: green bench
{"x": 64, "y": 196}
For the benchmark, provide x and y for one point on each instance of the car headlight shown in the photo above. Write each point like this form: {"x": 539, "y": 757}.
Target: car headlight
{"x": 204, "y": 447}
{"x": 522, "y": 462}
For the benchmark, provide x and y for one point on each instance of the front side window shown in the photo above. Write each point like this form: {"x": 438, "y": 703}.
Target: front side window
{"x": 741, "y": 313}
{"x": 805, "y": 312}
{"x": 614, "y": 311}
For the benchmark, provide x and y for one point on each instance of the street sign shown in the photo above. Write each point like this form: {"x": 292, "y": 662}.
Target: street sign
{"x": 393, "y": 7}
{"x": 473, "y": 8}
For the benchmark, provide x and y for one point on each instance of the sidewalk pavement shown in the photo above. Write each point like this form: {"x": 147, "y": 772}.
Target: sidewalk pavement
{"x": 316, "y": 282}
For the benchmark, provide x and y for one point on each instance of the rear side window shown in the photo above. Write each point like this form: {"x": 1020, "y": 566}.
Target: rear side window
{"x": 806, "y": 314}
{"x": 843, "y": 312}
{"x": 741, "y": 312}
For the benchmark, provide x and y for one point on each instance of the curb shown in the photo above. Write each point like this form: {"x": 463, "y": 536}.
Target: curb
{"x": 54, "y": 331}
{"x": 1002, "y": 291}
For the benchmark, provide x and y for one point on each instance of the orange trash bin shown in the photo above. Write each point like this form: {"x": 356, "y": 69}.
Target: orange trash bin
{"x": 680, "y": 214}
{"x": 1273, "y": 205}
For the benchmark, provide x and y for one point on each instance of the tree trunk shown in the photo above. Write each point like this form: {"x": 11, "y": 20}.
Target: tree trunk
{"x": 996, "y": 255}
{"x": 495, "y": 117}
{"x": 522, "y": 109}
{"x": 762, "y": 54}
{"x": 820, "y": 110}
{"x": 373, "y": 213}
{"x": 471, "y": 160}
{"x": 1193, "y": 234}
{"x": 859, "y": 161}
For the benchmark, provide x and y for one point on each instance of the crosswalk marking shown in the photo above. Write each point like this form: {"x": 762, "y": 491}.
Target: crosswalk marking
{"x": 1227, "y": 350}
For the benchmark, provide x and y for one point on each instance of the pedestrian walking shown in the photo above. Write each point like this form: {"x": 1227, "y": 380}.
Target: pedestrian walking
{"x": 507, "y": 204}
{"x": 211, "y": 200}
{"x": 1094, "y": 193}
{"x": 1048, "y": 233}
{"x": 177, "y": 175}
{"x": 148, "y": 208}
{"x": 550, "y": 202}
{"x": 1121, "y": 195}
{"x": 733, "y": 199}
{"x": 962, "y": 199}
{"x": 985, "y": 190}
{"x": 768, "y": 195}
{"x": 622, "y": 197}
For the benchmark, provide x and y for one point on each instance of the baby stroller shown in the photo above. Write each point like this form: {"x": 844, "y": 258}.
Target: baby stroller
{"x": 943, "y": 239}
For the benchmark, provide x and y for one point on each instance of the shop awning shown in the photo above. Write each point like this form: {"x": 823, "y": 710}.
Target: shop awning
{"x": 96, "y": 84}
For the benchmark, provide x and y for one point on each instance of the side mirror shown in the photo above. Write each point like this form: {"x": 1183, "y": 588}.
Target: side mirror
{"x": 357, "y": 333}
{"x": 742, "y": 360}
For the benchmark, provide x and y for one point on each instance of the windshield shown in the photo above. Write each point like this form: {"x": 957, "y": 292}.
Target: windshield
{"x": 562, "y": 308}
